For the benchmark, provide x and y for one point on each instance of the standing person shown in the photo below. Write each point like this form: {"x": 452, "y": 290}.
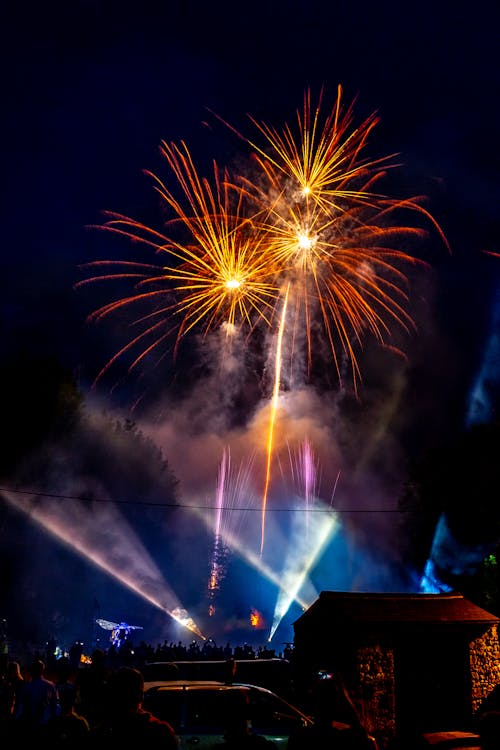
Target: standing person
{"x": 92, "y": 685}
{"x": 38, "y": 700}
{"x": 69, "y": 729}
{"x": 126, "y": 722}
{"x": 11, "y": 688}
{"x": 10, "y": 694}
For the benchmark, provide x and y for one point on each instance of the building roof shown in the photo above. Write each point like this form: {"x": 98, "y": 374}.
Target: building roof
{"x": 398, "y": 609}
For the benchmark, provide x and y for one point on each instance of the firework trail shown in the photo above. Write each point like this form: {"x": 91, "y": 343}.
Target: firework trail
{"x": 233, "y": 490}
{"x": 217, "y": 564}
{"x": 272, "y": 421}
{"x": 304, "y": 473}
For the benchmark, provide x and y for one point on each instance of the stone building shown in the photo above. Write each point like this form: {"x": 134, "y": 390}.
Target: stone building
{"x": 411, "y": 662}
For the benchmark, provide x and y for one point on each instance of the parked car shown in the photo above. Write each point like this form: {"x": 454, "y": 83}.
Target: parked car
{"x": 274, "y": 673}
{"x": 197, "y": 711}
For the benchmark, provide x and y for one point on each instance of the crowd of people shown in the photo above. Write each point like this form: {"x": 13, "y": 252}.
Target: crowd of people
{"x": 103, "y": 706}
{"x": 65, "y": 697}
{"x": 95, "y": 707}
{"x": 136, "y": 654}
{"x": 100, "y": 703}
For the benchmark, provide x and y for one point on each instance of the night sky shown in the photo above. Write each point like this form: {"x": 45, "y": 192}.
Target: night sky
{"x": 89, "y": 91}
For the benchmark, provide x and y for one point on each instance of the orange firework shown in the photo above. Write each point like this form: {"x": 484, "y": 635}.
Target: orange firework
{"x": 329, "y": 232}
{"x": 219, "y": 276}
{"x": 256, "y": 620}
{"x": 310, "y": 221}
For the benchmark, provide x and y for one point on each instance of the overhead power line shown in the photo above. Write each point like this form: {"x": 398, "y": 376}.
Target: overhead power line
{"x": 187, "y": 506}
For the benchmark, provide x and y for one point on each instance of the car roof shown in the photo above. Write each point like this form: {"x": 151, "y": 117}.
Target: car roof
{"x": 257, "y": 660}
{"x": 202, "y": 684}
{"x": 186, "y": 684}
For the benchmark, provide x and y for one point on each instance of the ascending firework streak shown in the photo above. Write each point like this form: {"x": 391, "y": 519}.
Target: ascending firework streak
{"x": 304, "y": 472}
{"x": 233, "y": 489}
{"x": 217, "y": 568}
{"x": 274, "y": 407}
{"x": 311, "y": 223}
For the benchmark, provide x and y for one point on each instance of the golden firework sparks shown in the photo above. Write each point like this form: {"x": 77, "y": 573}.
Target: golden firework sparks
{"x": 329, "y": 232}
{"x": 310, "y": 220}
{"x": 220, "y": 275}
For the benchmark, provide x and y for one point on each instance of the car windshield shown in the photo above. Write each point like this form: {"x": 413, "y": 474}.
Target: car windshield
{"x": 203, "y": 710}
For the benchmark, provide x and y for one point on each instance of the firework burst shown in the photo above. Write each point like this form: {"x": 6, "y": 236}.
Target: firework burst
{"x": 219, "y": 275}
{"x": 310, "y": 221}
{"x": 330, "y": 232}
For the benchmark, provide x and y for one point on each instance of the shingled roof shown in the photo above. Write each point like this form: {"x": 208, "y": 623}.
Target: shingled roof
{"x": 363, "y": 608}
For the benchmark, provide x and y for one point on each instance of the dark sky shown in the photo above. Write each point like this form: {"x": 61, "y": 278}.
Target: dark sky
{"x": 90, "y": 89}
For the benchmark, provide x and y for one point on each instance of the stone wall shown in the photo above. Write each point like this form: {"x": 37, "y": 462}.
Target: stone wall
{"x": 484, "y": 657}
{"x": 375, "y": 692}
{"x": 374, "y": 689}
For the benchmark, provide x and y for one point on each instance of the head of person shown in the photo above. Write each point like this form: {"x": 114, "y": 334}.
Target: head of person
{"x": 14, "y": 671}
{"x": 37, "y": 668}
{"x": 98, "y": 657}
{"x": 127, "y": 690}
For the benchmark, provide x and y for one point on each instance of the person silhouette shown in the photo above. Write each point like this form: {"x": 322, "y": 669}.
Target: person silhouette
{"x": 125, "y": 720}
{"x": 68, "y": 728}
{"x": 38, "y": 700}
{"x": 92, "y": 684}
{"x": 12, "y": 685}
{"x": 10, "y": 699}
